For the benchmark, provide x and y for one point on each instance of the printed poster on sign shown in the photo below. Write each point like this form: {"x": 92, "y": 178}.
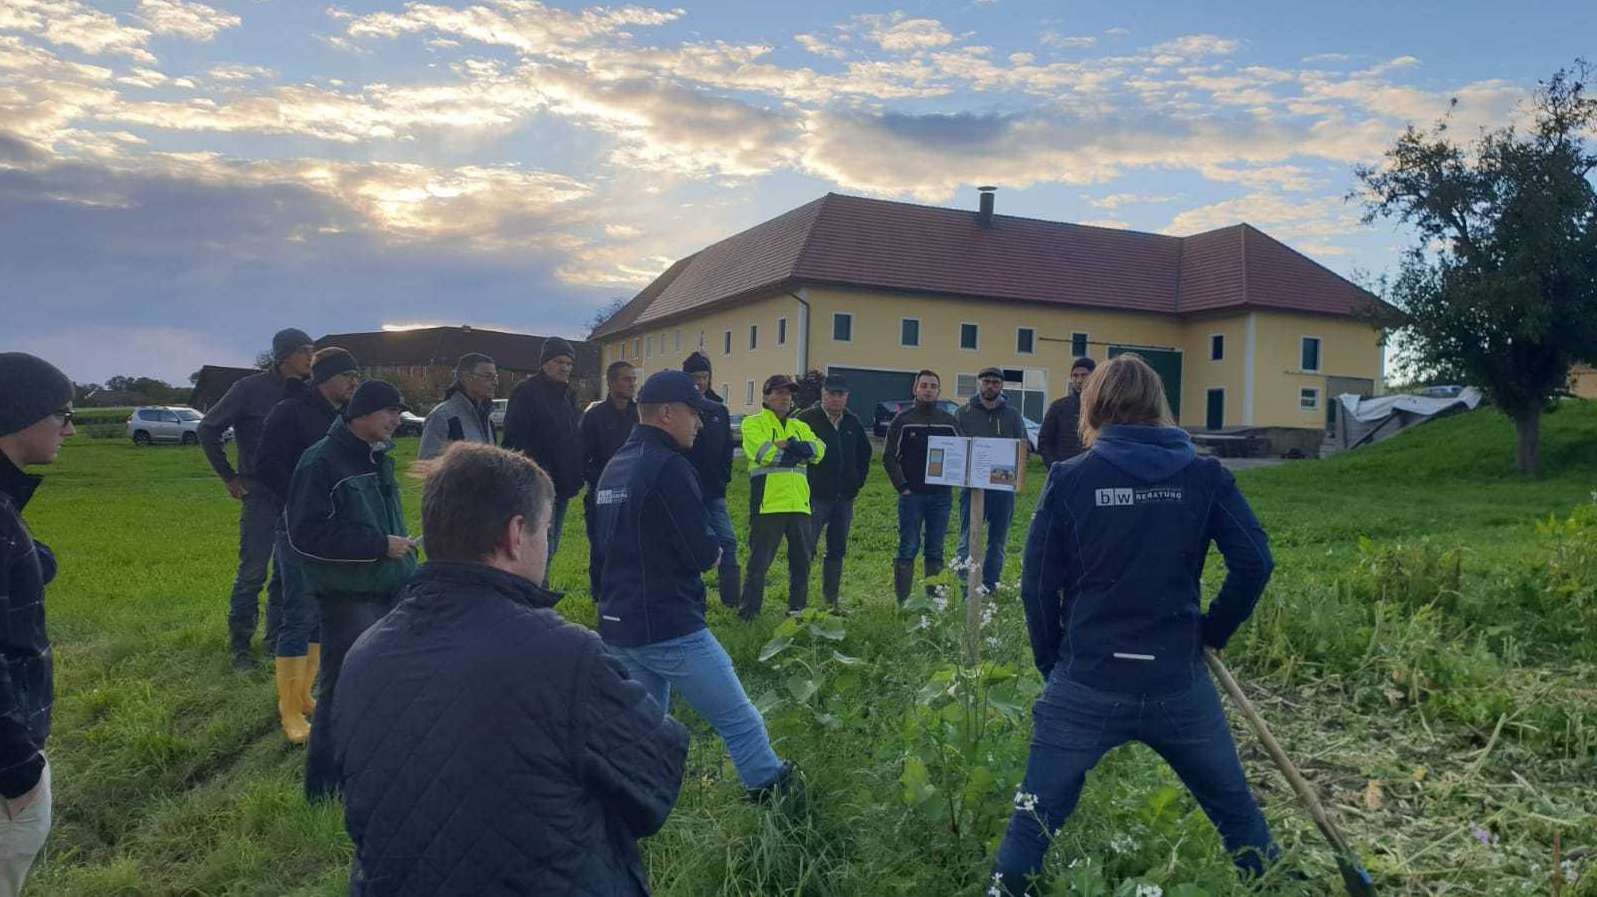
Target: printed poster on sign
{"x": 995, "y": 464}
{"x": 946, "y": 460}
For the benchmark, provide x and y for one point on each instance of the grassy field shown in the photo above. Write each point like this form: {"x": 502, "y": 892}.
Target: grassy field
{"x": 1428, "y": 649}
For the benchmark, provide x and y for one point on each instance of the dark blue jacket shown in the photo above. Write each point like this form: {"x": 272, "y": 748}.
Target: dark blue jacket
{"x": 1115, "y": 556}
{"x": 651, "y": 542}
{"x": 712, "y": 450}
{"x": 491, "y": 749}
{"x": 295, "y": 424}
{"x": 27, "y": 685}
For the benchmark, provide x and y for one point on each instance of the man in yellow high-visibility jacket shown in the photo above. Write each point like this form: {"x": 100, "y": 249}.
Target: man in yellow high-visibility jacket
{"x": 778, "y": 448}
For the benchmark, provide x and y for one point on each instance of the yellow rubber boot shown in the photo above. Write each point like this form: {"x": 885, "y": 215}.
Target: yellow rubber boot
{"x": 289, "y": 672}
{"x": 313, "y": 665}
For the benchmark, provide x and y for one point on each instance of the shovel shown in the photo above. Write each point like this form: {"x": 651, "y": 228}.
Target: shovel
{"x": 1354, "y": 876}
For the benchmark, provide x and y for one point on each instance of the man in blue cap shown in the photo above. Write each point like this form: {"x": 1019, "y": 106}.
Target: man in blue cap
{"x": 653, "y": 544}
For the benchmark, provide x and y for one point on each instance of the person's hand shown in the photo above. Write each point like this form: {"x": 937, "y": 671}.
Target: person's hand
{"x": 14, "y": 806}
{"x": 907, "y": 492}
{"x": 399, "y": 547}
{"x": 237, "y": 489}
{"x": 781, "y": 443}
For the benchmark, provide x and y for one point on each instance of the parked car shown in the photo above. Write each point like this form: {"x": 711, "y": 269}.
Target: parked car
{"x": 1440, "y": 392}
{"x": 886, "y": 411}
{"x": 410, "y": 424}
{"x": 167, "y": 423}
{"x": 497, "y": 416}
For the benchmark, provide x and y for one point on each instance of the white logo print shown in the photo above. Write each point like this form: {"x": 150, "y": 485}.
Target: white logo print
{"x": 1115, "y": 498}
{"x": 1125, "y": 498}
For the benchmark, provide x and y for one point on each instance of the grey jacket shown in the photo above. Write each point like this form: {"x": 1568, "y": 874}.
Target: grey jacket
{"x": 455, "y": 419}
{"x": 999, "y": 422}
{"x": 244, "y": 408}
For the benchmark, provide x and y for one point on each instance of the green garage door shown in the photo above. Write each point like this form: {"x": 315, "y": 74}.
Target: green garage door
{"x": 866, "y": 387}
{"x": 1167, "y": 365}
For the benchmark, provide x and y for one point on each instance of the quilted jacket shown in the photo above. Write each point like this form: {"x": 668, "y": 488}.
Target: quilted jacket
{"x": 489, "y": 748}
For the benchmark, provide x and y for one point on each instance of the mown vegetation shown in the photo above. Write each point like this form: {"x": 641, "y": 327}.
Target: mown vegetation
{"x": 1428, "y": 650}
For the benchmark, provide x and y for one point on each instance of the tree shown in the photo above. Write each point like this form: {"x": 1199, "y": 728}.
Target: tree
{"x": 265, "y": 360}
{"x": 605, "y": 312}
{"x": 1503, "y": 283}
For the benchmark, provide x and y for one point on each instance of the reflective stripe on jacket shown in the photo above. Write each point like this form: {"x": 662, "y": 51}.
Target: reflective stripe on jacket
{"x": 777, "y": 480}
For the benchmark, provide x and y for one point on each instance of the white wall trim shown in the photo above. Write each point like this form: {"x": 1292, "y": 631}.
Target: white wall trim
{"x": 1249, "y": 354}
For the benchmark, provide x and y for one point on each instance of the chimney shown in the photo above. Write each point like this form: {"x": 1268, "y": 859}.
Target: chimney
{"x": 985, "y": 216}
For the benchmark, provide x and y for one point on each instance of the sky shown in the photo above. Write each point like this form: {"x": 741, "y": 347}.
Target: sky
{"x": 180, "y": 179}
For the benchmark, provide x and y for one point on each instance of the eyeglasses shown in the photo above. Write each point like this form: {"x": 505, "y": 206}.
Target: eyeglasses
{"x": 65, "y": 415}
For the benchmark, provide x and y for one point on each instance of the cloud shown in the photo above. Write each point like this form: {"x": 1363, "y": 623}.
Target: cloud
{"x": 193, "y": 21}
{"x": 1117, "y": 200}
{"x": 819, "y": 46}
{"x": 897, "y": 34}
{"x": 1193, "y": 46}
{"x": 1117, "y": 31}
{"x": 1327, "y": 57}
{"x": 235, "y": 73}
{"x": 1062, "y": 41}
{"x": 527, "y": 26}
{"x": 1319, "y": 221}
{"x": 69, "y": 23}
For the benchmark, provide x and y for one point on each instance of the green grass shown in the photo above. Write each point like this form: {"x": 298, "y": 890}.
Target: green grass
{"x": 1420, "y": 634}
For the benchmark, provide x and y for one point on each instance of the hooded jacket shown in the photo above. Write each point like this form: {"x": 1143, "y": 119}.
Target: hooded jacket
{"x": 456, "y": 419}
{"x": 541, "y": 422}
{"x": 711, "y": 454}
{"x": 904, "y": 453}
{"x": 841, "y": 472}
{"x": 295, "y": 424}
{"x": 27, "y": 678}
{"x": 489, "y": 748}
{"x": 343, "y": 504}
{"x": 1111, "y": 581}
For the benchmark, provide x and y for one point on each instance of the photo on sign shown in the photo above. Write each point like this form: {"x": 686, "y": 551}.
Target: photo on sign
{"x": 934, "y": 462}
{"x": 1003, "y": 476}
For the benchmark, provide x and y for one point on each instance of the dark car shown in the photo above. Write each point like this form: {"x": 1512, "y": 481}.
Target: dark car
{"x": 886, "y": 411}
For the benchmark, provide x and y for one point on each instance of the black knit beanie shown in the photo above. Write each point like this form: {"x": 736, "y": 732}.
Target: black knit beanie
{"x": 288, "y": 341}
{"x": 698, "y": 362}
{"x": 31, "y": 389}
{"x": 373, "y": 395}
{"x": 554, "y": 347}
{"x": 330, "y": 363}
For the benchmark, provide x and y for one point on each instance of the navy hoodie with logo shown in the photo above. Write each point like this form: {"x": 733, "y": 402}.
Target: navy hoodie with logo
{"x": 1114, "y": 562}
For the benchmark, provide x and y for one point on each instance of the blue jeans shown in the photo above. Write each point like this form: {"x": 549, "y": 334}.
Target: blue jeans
{"x": 301, "y": 618}
{"x": 923, "y": 509}
{"x": 835, "y": 516}
{"x": 999, "y": 514}
{"x": 1076, "y": 725}
{"x": 698, "y": 667}
{"x": 557, "y": 525}
{"x": 721, "y": 525}
{"x": 258, "y": 515}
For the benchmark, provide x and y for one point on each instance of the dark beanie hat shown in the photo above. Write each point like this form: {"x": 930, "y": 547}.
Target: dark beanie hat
{"x": 373, "y": 395}
{"x": 31, "y": 389}
{"x": 330, "y": 363}
{"x": 554, "y": 347}
{"x": 1085, "y": 362}
{"x": 696, "y": 363}
{"x": 288, "y": 341}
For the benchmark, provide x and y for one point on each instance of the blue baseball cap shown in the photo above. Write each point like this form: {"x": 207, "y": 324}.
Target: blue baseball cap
{"x": 673, "y": 386}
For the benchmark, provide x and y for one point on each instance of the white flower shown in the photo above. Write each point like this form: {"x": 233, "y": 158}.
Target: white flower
{"x": 923, "y": 623}
{"x": 1122, "y": 844}
{"x": 987, "y": 612}
{"x": 1570, "y": 871}
{"x": 997, "y": 887}
{"x": 992, "y": 641}
{"x": 1025, "y": 803}
{"x": 940, "y": 599}
{"x": 1150, "y": 891}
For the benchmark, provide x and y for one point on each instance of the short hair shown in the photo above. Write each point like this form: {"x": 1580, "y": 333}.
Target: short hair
{"x": 925, "y": 372}
{"x": 1122, "y": 390}
{"x": 615, "y": 369}
{"x": 471, "y": 360}
{"x": 471, "y": 492}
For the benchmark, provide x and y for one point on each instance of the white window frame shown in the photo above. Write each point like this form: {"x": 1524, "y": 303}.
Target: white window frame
{"x": 781, "y": 331}
{"x": 975, "y": 383}
{"x": 1319, "y": 354}
{"x": 1086, "y": 344}
{"x": 843, "y": 314}
{"x": 678, "y": 339}
{"x": 648, "y": 346}
{"x": 726, "y": 343}
{"x": 750, "y": 399}
{"x": 1221, "y": 338}
{"x": 754, "y": 337}
{"x": 919, "y": 336}
{"x": 1033, "y": 349}
{"x": 1309, "y": 389}
{"x": 637, "y": 347}
{"x": 962, "y": 326}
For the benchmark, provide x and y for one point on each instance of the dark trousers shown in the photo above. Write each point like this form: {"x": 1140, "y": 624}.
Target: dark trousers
{"x": 344, "y": 618}
{"x": 928, "y": 511}
{"x": 766, "y": 532}
{"x": 834, "y": 516}
{"x": 590, "y": 519}
{"x": 257, "y": 537}
{"x": 1076, "y": 725}
{"x": 557, "y": 525}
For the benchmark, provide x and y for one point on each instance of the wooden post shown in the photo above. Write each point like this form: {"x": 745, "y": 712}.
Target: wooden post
{"x": 973, "y": 594}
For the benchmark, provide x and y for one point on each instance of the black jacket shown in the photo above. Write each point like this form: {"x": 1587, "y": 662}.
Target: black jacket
{"x": 653, "y": 540}
{"x": 1114, "y": 559}
{"x": 603, "y": 431}
{"x": 845, "y": 465}
{"x": 1059, "y": 439}
{"x": 711, "y": 454}
{"x": 27, "y": 684}
{"x": 542, "y": 422}
{"x": 904, "y": 454}
{"x": 489, "y": 748}
{"x": 295, "y": 424}
{"x": 244, "y": 408}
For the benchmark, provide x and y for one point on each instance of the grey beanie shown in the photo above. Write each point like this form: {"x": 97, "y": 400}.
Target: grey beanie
{"x": 31, "y": 389}
{"x": 288, "y": 341}
{"x": 554, "y": 347}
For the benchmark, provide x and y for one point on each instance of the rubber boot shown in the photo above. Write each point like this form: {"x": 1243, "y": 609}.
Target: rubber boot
{"x": 243, "y": 657}
{"x": 290, "y": 675}
{"x": 934, "y": 566}
{"x": 731, "y": 589}
{"x": 313, "y": 665}
{"x": 903, "y": 578}
{"x": 832, "y": 580}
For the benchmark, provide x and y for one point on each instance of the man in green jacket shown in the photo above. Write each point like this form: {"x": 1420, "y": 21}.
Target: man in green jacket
{"x": 347, "y": 525}
{"x": 778, "y": 447}
{"x": 836, "y": 479}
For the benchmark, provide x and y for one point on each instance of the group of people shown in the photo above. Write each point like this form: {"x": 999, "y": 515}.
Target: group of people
{"x": 483, "y": 745}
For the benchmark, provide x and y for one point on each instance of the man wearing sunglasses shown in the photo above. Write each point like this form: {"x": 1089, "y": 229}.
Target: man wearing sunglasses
{"x": 35, "y": 416}
{"x": 465, "y": 414}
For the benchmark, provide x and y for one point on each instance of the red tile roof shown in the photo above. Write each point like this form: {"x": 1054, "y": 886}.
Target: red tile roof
{"x": 858, "y": 242}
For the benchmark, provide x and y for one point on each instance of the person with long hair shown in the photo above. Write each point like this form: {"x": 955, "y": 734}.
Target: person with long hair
{"x": 1111, "y": 585}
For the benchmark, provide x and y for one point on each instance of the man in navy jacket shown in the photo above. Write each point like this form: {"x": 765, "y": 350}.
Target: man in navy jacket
{"x": 654, "y": 542}
{"x": 488, "y": 748}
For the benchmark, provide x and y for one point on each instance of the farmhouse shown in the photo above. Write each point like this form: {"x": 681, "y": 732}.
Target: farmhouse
{"x": 423, "y": 358}
{"x": 1246, "y": 331}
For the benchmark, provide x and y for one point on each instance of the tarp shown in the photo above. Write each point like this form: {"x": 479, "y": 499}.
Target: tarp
{"x": 1362, "y": 421}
